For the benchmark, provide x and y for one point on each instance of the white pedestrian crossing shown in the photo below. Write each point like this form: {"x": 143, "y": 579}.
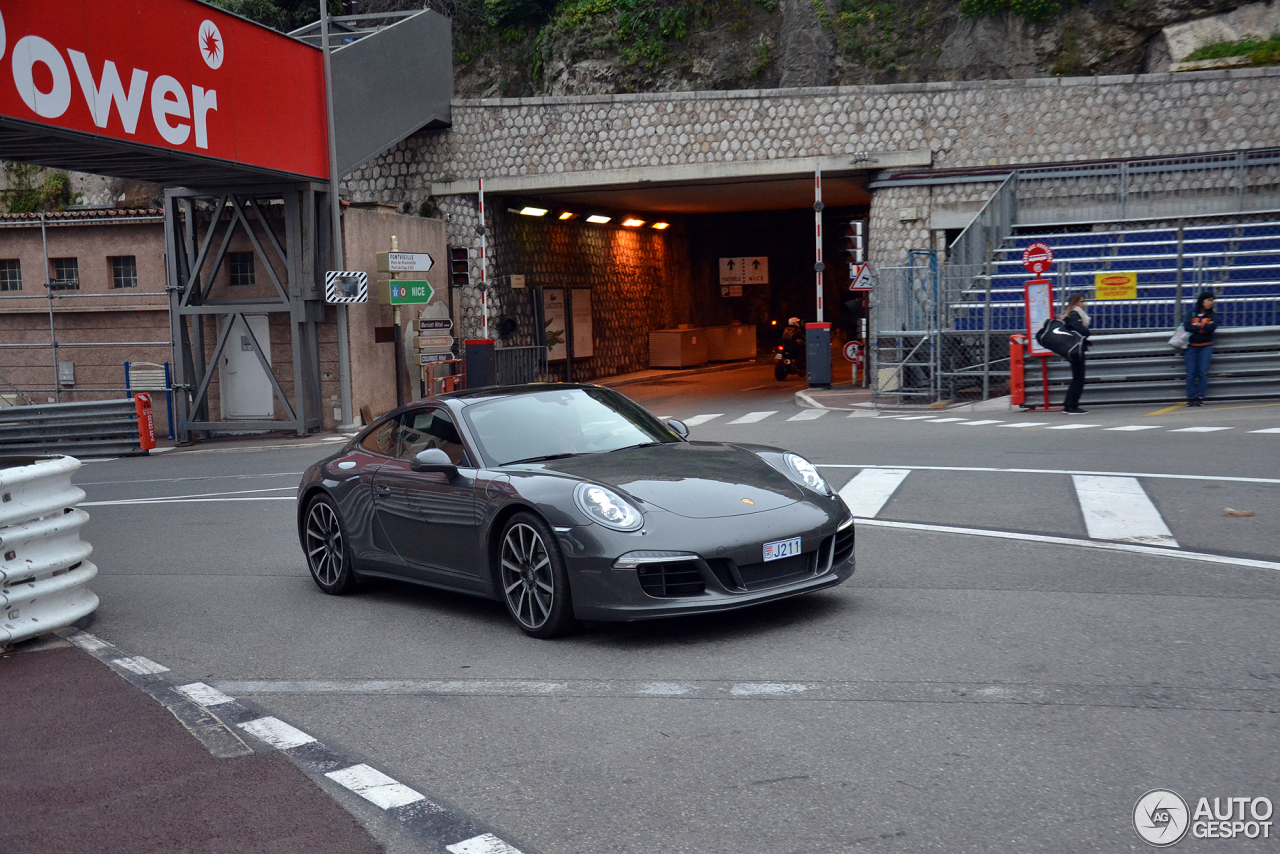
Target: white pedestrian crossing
{"x": 1118, "y": 508}
{"x": 809, "y": 415}
{"x": 943, "y": 420}
{"x": 1132, "y": 427}
{"x": 981, "y": 422}
{"x": 1268, "y": 430}
{"x": 702, "y": 419}
{"x": 1027, "y": 424}
{"x": 1199, "y": 429}
{"x": 867, "y": 492}
{"x": 753, "y": 417}
{"x": 1072, "y": 426}
{"x": 915, "y": 417}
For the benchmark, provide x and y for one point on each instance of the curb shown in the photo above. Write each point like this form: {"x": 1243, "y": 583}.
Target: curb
{"x": 997, "y": 404}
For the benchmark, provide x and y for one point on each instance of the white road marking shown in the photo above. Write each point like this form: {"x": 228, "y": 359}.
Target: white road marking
{"x": 335, "y": 438}
{"x": 486, "y": 844}
{"x": 164, "y": 450}
{"x": 868, "y": 491}
{"x": 701, "y": 419}
{"x": 983, "y": 421}
{"x": 757, "y": 689}
{"x": 944, "y": 420}
{"x": 1103, "y": 545}
{"x": 276, "y": 733}
{"x": 1028, "y": 424}
{"x": 914, "y": 417}
{"x": 1199, "y": 429}
{"x": 1118, "y": 508}
{"x": 180, "y": 500}
{"x": 140, "y": 665}
{"x": 753, "y": 417}
{"x": 664, "y": 689}
{"x": 1136, "y": 427}
{"x": 1072, "y": 426}
{"x": 88, "y": 642}
{"x": 1213, "y": 477}
{"x": 375, "y": 787}
{"x": 809, "y": 414}
{"x": 198, "y": 692}
{"x": 1268, "y": 430}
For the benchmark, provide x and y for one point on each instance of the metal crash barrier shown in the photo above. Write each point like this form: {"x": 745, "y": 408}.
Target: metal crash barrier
{"x": 1142, "y": 368}
{"x": 44, "y": 564}
{"x": 94, "y": 428}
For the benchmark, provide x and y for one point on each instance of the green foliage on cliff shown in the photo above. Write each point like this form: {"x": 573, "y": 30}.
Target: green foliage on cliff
{"x": 1038, "y": 11}
{"x": 1261, "y": 52}
{"x": 33, "y": 189}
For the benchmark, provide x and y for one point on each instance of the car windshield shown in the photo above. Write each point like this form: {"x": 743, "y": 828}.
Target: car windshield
{"x": 561, "y": 423}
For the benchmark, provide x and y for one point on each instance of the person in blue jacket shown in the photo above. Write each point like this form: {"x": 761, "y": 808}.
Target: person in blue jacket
{"x": 1200, "y": 323}
{"x": 1076, "y": 318}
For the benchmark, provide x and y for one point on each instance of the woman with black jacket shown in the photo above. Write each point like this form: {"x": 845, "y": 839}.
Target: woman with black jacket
{"x": 1077, "y": 320}
{"x": 1200, "y": 323}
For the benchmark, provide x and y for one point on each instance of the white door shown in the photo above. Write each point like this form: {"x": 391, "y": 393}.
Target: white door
{"x": 246, "y": 390}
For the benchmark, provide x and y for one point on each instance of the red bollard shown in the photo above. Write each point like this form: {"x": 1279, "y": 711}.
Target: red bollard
{"x": 1017, "y": 385}
{"x": 146, "y": 421}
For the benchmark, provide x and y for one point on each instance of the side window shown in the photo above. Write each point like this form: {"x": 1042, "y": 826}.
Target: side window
{"x": 430, "y": 428}
{"x": 382, "y": 439}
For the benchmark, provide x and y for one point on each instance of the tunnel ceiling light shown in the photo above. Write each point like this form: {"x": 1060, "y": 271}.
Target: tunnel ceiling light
{"x": 632, "y": 222}
{"x": 529, "y": 210}
{"x": 661, "y": 225}
{"x": 599, "y": 219}
{"x": 567, "y": 215}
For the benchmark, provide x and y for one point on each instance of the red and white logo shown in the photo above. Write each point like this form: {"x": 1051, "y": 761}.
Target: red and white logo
{"x": 1037, "y": 257}
{"x": 211, "y": 46}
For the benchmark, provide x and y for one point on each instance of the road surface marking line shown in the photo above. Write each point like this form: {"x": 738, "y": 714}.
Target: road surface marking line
{"x": 702, "y": 419}
{"x": 764, "y": 689}
{"x": 944, "y": 420}
{"x": 375, "y": 787}
{"x": 1055, "y": 471}
{"x": 198, "y": 692}
{"x": 276, "y": 733}
{"x": 1168, "y": 409}
{"x": 1200, "y": 429}
{"x": 753, "y": 417}
{"x": 1136, "y": 427}
{"x": 1028, "y": 424}
{"x": 983, "y": 421}
{"x": 140, "y": 665}
{"x": 915, "y": 417}
{"x": 1118, "y": 508}
{"x": 1102, "y": 545}
{"x": 159, "y": 501}
{"x": 485, "y": 844}
{"x": 869, "y": 491}
{"x": 809, "y": 415}
{"x": 1072, "y": 426}
{"x": 1268, "y": 430}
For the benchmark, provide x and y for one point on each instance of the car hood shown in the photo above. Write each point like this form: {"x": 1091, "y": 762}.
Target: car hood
{"x": 699, "y": 480}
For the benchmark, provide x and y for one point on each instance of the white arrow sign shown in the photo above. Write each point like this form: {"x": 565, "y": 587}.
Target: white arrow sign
{"x": 404, "y": 262}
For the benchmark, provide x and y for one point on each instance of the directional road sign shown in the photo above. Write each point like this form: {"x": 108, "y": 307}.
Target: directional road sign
{"x": 404, "y": 292}
{"x": 744, "y": 271}
{"x": 404, "y": 262}
{"x": 433, "y": 342}
{"x": 427, "y": 324}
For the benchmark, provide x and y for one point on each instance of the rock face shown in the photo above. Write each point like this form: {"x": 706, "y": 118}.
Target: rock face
{"x": 1176, "y": 42}
{"x": 759, "y": 44}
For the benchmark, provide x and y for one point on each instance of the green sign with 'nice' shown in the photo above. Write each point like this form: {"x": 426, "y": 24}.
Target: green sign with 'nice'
{"x": 406, "y": 291}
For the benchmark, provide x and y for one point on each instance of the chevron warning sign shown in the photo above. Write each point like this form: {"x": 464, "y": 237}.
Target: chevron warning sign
{"x": 343, "y": 286}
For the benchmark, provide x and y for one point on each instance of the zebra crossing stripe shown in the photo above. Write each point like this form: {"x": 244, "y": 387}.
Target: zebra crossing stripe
{"x": 983, "y": 421}
{"x": 1118, "y": 508}
{"x": 753, "y": 417}
{"x": 1136, "y": 427}
{"x": 1027, "y": 424}
{"x": 867, "y": 492}
{"x": 1268, "y": 430}
{"x": 1199, "y": 429}
{"x": 943, "y": 420}
{"x": 702, "y": 419}
{"x": 809, "y": 415}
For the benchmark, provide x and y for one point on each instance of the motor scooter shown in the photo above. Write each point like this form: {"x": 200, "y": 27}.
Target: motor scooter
{"x": 789, "y": 358}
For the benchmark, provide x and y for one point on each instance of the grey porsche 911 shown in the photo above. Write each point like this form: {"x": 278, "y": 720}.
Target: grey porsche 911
{"x": 570, "y": 502}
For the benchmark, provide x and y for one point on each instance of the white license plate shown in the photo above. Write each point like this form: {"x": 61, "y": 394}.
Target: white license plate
{"x": 781, "y": 548}
{"x": 777, "y": 357}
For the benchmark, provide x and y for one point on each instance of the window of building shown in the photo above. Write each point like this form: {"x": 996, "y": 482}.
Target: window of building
{"x": 124, "y": 271}
{"x": 66, "y": 274}
{"x": 10, "y": 274}
{"x": 241, "y": 268}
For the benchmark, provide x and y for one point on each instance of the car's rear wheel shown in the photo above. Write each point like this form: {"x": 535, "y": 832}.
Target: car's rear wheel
{"x": 328, "y": 555}
{"x": 535, "y": 584}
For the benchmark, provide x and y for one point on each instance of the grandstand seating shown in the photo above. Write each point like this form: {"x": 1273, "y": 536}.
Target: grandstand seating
{"x": 1238, "y": 261}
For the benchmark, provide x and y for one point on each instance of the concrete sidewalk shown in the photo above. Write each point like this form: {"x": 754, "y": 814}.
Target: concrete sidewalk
{"x": 92, "y": 763}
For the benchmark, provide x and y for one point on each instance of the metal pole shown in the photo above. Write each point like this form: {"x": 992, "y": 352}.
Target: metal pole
{"x": 53, "y": 333}
{"x": 484, "y": 285}
{"x": 818, "y": 266}
{"x": 1177, "y": 285}
{"x": 335, "y": 211}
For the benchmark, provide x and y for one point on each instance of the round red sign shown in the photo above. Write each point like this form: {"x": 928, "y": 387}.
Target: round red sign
{"x": 1037, "y": 257}
{"x": 853, "y": 351}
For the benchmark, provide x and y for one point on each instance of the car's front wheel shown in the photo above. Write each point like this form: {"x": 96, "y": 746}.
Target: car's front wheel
{"x": 328, "y": 555}
{"x": 535, "y": 583}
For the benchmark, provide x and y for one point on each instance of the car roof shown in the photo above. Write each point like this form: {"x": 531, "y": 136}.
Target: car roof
{"x": 472, "y": 395}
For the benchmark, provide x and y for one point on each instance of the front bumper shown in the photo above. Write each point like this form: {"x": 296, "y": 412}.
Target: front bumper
{"x": 603, "y": 593}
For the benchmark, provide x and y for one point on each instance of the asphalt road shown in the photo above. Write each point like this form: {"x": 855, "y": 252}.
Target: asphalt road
{"x": 994, "y": 677}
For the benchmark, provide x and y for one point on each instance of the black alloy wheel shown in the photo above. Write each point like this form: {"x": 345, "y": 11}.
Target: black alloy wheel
{"x": 328, "y": 556}
{"x": 535, "y": 584}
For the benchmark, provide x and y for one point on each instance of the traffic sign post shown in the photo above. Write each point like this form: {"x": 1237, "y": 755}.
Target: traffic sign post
{"x": 1038, "y": 294}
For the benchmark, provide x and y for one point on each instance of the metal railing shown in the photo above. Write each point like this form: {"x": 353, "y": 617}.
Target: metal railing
{"x": 518, "y": 365}
{"x": 1141, "y": 367}
{"x": 44, "y": 564}
{"x": 91, "y": 428}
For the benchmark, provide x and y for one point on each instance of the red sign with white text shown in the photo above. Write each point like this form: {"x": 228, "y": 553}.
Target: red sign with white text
{"x": 176, "y": 75}
{"x": 1037, "y": 257}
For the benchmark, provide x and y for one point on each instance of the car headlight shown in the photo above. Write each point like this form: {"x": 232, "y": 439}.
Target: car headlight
{"x": 808, "y": 474}
{"x": 607, "y": 507}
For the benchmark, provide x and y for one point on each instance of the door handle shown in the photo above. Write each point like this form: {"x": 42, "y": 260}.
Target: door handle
{"x": 381, "y": 490}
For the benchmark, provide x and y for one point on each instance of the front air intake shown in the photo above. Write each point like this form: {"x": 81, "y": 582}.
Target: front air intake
{"x": 671, "y": 579}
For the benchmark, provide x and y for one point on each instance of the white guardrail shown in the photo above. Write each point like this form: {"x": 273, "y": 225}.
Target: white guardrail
{"x": 43, "y": 561}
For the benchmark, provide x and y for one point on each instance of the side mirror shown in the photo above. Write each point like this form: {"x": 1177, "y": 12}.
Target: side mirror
{"x": 434, "y": 460}
{"x": 678, "y": 427}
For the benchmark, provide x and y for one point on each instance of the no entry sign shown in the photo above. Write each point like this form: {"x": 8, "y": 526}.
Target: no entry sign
{"x": 1037, "y": 257}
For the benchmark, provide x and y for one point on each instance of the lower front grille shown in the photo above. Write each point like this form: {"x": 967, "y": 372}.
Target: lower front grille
{"x": 758, "y": 575}
{"x": 671, "y": 579}
{"x": 844, "y": 546}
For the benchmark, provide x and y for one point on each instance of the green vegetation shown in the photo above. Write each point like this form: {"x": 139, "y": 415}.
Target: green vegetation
{"x": 282, "y": 15}
{"x": 1261, "y": 52}
{"x": 877, "y": 32}
{"x": 1037, "y": 11}
{"x": 33, "y": 189}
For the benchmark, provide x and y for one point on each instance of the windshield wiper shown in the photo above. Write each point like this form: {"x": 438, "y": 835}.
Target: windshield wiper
{"x": 631, "y": 447}
{"x": 541, "y": 459}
